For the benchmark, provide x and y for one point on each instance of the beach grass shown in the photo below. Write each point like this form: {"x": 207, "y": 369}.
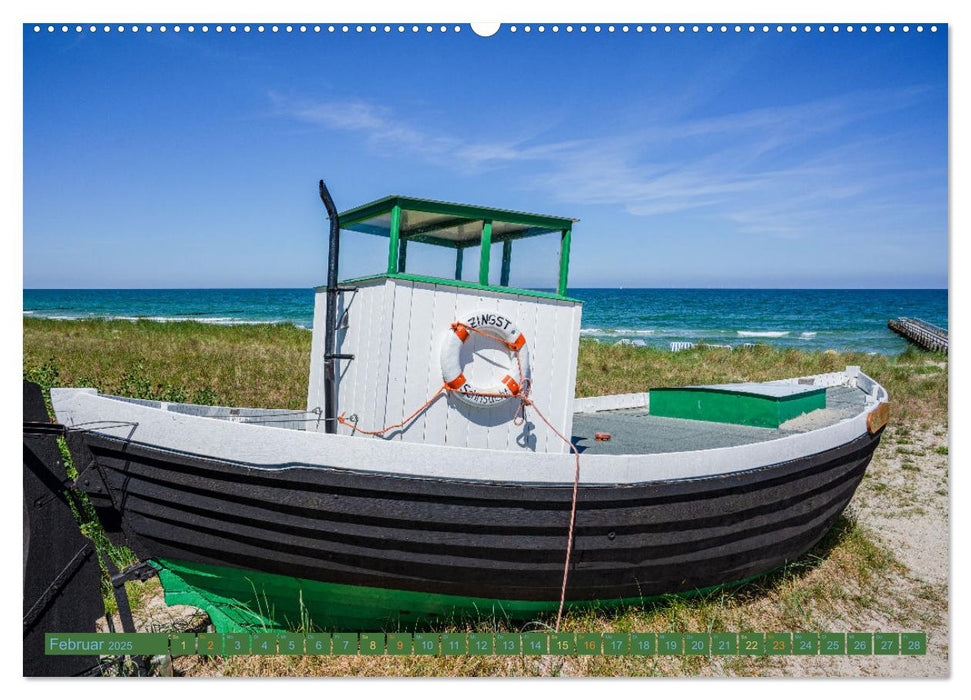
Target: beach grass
{"x": 255, "y": 365}
{"x": 850, "y": 578}
{"x": 267, "y": 365}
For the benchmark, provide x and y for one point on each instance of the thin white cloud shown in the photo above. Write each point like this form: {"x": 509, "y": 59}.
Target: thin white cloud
{"x": 388, "y": 134}
{"x": 354, "y": 115}
{"x": 765, "y": 170}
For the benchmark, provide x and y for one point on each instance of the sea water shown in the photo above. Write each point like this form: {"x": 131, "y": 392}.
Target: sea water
{"x": 810, "y": 319}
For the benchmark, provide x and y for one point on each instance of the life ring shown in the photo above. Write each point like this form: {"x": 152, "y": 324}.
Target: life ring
{"x": 508, "y": 385}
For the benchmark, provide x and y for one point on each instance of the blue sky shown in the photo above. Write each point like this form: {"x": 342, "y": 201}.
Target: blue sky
{"x": 692, "y": 160}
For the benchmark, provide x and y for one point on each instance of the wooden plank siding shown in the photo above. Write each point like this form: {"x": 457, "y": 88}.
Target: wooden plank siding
{"x": 395, "y": 329}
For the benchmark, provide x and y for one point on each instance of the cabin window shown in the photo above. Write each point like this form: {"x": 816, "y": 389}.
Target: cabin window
{"x": 359, "y": 252}
{"x": 464, "y": 244}
{"x": 426, "y": 260}
{"x": 535, "y": 263}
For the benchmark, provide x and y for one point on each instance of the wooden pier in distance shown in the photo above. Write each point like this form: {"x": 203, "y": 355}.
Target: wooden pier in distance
{"x": 926, "y": 335}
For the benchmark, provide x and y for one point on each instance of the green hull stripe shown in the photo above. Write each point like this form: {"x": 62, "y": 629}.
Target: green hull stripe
{"x": 239, "y": 600}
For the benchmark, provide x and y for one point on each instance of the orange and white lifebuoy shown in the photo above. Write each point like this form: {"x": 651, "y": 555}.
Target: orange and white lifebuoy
{"x": 509, "y": 382}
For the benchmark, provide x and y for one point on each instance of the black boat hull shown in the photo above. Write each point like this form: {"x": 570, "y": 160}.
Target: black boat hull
{"x": 466, "y": 538}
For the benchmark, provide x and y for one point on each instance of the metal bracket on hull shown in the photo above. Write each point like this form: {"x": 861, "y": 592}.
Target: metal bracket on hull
{"x": 141, "y": 571}
{"x": 34, "y": 427}
{"x": 118, "y": 579}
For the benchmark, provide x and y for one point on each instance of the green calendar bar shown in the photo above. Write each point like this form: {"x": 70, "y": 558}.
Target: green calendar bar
{"x": 209, "y": 644}
{"x": 643, "y": 644}
{"x": 536, "y": 644}
{"x": 751, "y": 644}
{"x": 372, "y": 644}
{"x": 426, "y": 644}
{"x": 182, "y": 644}
{"x": 455, "y": 644}
{"x": 805, "y": 643}
{"x": 508, "y": 644}
{"x": 913, "y": 643}
{"x": 589, "y": 644}
{"x": 236, "y": 644}
{"x": 290, "y": 644}
{"x": 317, "y": 644}
{"x": 344, "y": 644}
{"x": 400, "y": 644}
{"x": 724, "y": 644}
{"x": 482, "y": 644}
{"x": 886, "y": 644}
{"x": 563, "y": 644}
{"x": 489, "y": 644}
{"x": 616, "y": 644}
{"x": 669, "y": 643}
{"x": 832, "y": 643}
{"x": 778, "y": 643}
{"x": 264, "y": 645}
{"x": 697, "y": 644}
{"x": 71, "y": 644}
{"x": 859, "y": 643}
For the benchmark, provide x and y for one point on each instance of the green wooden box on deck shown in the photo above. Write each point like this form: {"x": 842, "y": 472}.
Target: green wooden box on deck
{"x": 758, "y": 405}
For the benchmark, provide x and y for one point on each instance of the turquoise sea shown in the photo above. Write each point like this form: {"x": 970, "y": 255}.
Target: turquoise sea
{"x": 810, "y": 319}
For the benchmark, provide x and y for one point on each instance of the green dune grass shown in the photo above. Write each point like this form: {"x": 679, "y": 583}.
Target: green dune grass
{"x": 266, "y": 366}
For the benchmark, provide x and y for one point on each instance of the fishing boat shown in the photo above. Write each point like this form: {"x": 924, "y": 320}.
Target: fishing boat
{"x": 443, "y": 468}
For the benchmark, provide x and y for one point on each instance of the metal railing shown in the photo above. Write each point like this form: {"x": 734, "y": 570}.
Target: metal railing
{"x": 918, "y": 332}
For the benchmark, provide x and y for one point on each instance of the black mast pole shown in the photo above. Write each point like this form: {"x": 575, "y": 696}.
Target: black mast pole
{"x": 330, "y": 331}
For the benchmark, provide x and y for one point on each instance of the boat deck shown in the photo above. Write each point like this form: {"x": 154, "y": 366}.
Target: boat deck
{"x": 635, "y": 431}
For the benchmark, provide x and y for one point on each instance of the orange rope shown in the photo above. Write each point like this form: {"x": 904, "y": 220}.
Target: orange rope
{"x": 520, "y": 418}
{"x": 487, "y": 335}
{"x": 340, "y": 418}
{"x": 573, "y": 509}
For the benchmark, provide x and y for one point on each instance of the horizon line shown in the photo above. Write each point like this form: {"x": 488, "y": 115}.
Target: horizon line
{"x": 623, "y": 288}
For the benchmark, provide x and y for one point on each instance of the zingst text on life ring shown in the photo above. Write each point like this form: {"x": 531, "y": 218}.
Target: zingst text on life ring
{"x": 509, "y": 382}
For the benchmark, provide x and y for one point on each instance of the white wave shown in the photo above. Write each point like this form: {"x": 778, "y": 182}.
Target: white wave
{"x": 239, "y": 322}
{"x": 212, "y": 320}
{"x": 763, "y": 334}
{"x": 157, "y": 319}
{"x": 808, "y": 334}
{"x": 56, "y": 317}
{"x": 616, "y": 331}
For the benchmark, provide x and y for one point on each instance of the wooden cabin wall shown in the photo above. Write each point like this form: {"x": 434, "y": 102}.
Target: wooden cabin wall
{"x": 395, "y": 329}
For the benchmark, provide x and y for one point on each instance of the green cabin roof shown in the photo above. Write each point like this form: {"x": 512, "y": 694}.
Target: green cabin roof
{"x": 404, "y": 220}
{"x": 448, "y": 223}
